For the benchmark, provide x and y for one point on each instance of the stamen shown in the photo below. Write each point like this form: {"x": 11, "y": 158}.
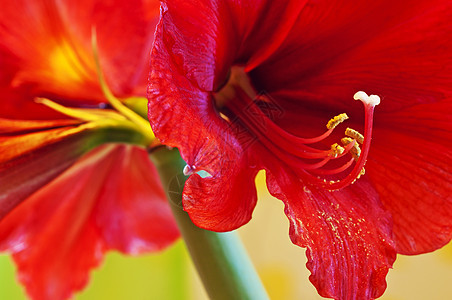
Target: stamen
{"x": 336, "y": 150}
{"x": 234, "y": 99}
{"x": 84, "y": 114}
{"x": 313, "y": 166}
{"x": 358, "y": 170}
{"x": 336, "y": 121}
{"x": 334, "y": 171}
{"x": 355, "y": 151}
{"x": 140, "y": 122}
{"x": 355, "y": 135}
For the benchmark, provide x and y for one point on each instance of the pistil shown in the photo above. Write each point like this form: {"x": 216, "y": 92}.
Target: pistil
{"x": 236, "y": 102}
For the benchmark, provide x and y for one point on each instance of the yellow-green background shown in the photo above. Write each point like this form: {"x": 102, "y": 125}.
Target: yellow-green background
{"x": 170, "y": 275}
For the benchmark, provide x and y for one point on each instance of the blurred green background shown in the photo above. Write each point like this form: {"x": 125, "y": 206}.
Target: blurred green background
{"x": 170, "y": 276}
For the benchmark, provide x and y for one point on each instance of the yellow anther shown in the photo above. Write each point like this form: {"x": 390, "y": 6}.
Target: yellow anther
{"x": 346, "y": 140}
{"x": 336, "y": 150}
{"x": 355, "y": 151}
{"x": 336, "y": 121}
{"x": 355, "y": 135}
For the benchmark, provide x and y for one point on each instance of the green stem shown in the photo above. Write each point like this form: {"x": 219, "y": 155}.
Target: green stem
{"x": 220, "y": 258}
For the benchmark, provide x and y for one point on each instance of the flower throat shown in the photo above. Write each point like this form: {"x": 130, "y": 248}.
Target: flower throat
{"x": 239, "y": 100}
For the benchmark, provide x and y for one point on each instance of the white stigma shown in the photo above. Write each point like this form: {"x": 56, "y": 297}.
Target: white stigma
{"x": 371, "y": 100}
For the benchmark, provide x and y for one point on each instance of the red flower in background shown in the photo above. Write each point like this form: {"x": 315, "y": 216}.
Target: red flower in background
{"x": 64, "y": 201}
{"x": 240, "y": 86}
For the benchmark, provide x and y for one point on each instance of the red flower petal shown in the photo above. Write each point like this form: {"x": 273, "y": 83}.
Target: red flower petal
{"x": 410, "y": 168}
{"x": 19, "y": 104}
{"x": 43, "y": 54}
{"x": 224, "y": 34}
{"x": 347, "y": 235}
{"x": 132, "y": 211}
{"x": 51, "y": 49}
{"x": 401, "y": 54}
{"x": 216, "y": 203}
{"x": 33, "y": 153}
{"x": 61, "y": 232}
{"x": 169, "y": 86}
{"x": 125, "y": 64}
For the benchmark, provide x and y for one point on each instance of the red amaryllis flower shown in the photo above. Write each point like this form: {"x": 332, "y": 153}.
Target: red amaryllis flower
{"x": 63, "y": 201}
{"x": 241, "y": 86}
